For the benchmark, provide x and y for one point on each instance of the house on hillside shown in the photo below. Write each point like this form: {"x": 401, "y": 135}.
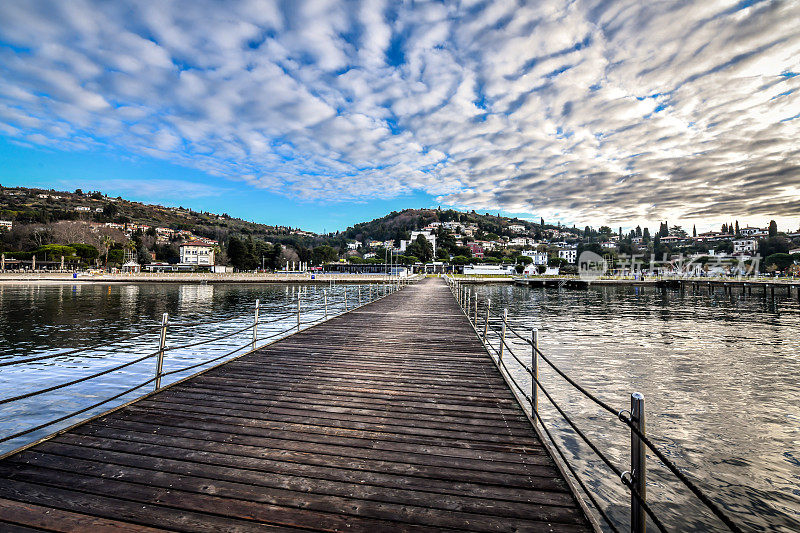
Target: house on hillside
{"x": 197, "y": 253}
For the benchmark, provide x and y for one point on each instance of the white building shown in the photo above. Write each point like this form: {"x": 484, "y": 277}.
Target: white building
{"x": 570, "y": 255}
{"x": 521, "y": 241}
{"x": 352, "y": 245}
{"x": 488, "y": 270}
{"x": 197, "y": 253}
{"x": 539, "y": 258}
{"x": 748, "y": 231}
{"x": 7, "y": 224}
{"x": 431, "y": 237}
{"x": 745, "y": 246}
{"x": 516, "y": 228}
{"x": 83, "y": 208}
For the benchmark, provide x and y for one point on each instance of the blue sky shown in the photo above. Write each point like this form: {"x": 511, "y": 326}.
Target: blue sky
{"x": 323, "y": 113}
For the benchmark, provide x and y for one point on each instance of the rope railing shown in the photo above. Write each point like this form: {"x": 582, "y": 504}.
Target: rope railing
{"x": 634, "y": 480}
{"x": 331, "y": 307}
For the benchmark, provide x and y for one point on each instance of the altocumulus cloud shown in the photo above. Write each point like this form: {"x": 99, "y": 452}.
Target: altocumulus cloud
{"x": 585, "y": 110}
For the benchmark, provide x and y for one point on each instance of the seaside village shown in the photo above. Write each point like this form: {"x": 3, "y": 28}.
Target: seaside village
{"x": 522, "y": 250}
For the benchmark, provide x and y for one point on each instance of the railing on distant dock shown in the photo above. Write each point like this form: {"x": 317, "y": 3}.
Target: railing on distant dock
{"x": 634, "y": 479}
{"x": 349, "y": 299}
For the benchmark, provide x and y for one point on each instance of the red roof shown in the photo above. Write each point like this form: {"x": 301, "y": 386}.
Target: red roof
{"x": 197, "y": 243}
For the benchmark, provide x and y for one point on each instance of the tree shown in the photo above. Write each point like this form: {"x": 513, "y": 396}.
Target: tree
{"x": 421, "y": 248}
{"x": 237, "y": 252}
{"x": 773, "y": 228}
{"x": 738, "y": 233}
{"x": 724, "y": 228}
{"x": 779, "y": 261}
{"x": 646, "y": 234}
{"x": 106, "y": 241}
{"x": 694, "y": 230}
{"x": 86, "y": 252}
{"x": 324, "y": 254}
{"x": 677, "y": 231}
{"x": 773, "y": 245}
{"x": 110, "y": 210}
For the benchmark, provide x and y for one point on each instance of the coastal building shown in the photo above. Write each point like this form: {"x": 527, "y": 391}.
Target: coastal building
{"x": 570, "y": 255}
{"x": 488, "y": 270}
{"x": 516, "y": 228}
{"x": 197, "y": 253}
{"x": 431, "y": 237}
{"x": 745, "y": 246}
{"x": 539, "y": 258}
{"x": 476, "y": 249}
{"x": 6, "y": 224}
{"x": 83, "y": 209}
{"x": 674, "y": 239}
{"x": 748, "y": 231}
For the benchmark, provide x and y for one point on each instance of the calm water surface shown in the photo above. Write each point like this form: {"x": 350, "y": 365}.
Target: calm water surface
{"x": 721, "y": 379}
{"x": 42, "y": 319}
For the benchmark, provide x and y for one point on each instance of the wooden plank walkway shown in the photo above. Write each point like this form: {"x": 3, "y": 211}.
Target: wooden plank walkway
{"x": 389, "y": 418}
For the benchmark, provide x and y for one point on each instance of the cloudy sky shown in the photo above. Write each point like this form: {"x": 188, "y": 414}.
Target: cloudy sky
{"x": 323, "y": 113}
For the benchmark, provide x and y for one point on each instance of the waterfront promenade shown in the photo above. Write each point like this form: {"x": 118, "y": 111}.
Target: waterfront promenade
{"x": 392, "y": 417}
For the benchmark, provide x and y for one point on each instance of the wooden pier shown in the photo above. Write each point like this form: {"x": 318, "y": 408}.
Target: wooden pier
{"x": 389, "y": 418}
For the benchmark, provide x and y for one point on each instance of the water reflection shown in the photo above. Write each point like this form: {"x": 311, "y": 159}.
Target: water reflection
{"x": 719, "y": 374}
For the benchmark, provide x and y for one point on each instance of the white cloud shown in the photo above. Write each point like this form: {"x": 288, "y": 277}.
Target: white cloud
{"x": 590, "y": 111}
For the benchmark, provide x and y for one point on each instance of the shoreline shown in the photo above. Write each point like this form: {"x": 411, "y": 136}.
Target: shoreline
{"x": 308, "y": 278}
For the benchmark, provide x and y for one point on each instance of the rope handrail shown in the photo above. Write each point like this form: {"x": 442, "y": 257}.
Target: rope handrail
{"x": 206, "y": 341}
{"x": 76, "y": 350}
{"x": 712, "y": 506}
{"x": 575, "y": 475}
{"x": 76, "y": 381}
{"x": 74, "y": 413}
{"x": 591, "y": 445}
{"x": 618, "y": 414}
{"x": 203, "y": 363}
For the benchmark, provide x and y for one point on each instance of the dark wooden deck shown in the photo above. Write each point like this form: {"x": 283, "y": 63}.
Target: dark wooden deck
{"x": 389, "y": 418}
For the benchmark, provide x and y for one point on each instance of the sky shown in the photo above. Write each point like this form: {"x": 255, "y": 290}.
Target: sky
{"x": 320, "y": 114}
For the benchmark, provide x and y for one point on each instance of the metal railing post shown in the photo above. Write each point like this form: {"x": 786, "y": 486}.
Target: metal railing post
{"x": 325, "y": 299}
{"x": 345, "y": 297}
{"x": 503, "y": 334}
{"x": 161, "y": 345}
{"x": 638, "y": 465}
{"x": 359, "y": 295}
{"x": 486, "y": 321}
{"x": 298, "y": 310}
{"x": 534, "y": 374}
{"x": 255, "y": 324}
{"x": 475, "y": 311}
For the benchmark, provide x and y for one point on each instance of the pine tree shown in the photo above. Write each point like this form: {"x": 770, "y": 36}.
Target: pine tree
{"x": 694, "y": 230}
